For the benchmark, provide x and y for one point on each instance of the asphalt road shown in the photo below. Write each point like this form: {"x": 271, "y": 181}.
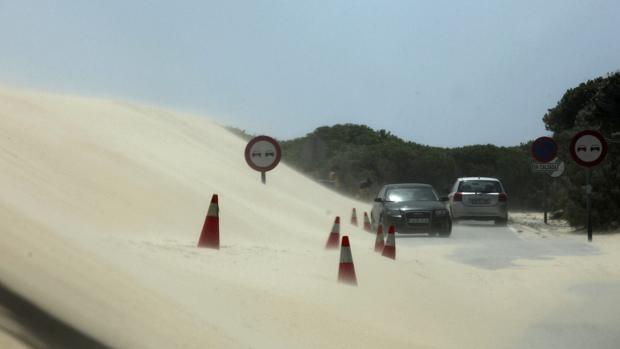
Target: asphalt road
{"x": 485, "y": 245}
{"x": 593, "y": 322}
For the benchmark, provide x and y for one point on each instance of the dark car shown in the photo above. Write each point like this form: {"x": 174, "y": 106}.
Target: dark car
{"x": 411, "y": 208}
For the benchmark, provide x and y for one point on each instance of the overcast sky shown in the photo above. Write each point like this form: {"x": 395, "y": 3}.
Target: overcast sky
{"x": 444, "y": 73}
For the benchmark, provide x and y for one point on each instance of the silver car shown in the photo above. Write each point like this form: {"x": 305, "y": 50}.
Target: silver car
{"x": 480, "y": 198}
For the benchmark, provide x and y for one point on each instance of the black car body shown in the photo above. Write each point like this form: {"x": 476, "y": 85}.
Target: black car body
{"x": 411, "y": 208}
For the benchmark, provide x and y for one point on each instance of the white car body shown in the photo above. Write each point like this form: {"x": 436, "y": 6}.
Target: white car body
{"x": 480, "y": 198}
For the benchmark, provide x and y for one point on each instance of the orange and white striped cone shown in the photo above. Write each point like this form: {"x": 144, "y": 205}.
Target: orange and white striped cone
{"x": 346, "y": 270}
{"x": 334, "y": 236}
{"x": 379, "y": 243}
{"x": 367, "y": 223}
{"x": 354, "y": 217}
{"x": 389, "y": 250}
{"x": 210, "y": 236}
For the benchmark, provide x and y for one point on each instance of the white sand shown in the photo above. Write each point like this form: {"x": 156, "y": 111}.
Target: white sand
{"x": 102, "y": 203}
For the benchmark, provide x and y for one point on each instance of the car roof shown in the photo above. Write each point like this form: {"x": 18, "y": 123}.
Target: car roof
{"x": 478, "y": 178}
{"x": 408, "y": 185}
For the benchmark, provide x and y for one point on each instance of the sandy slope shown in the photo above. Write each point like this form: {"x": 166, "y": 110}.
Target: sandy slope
{"x": 101, "y": 207}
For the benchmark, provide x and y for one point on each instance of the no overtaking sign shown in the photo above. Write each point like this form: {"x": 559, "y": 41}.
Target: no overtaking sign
{"x": 263, "y": 154}
{"x": 588, "y": 148}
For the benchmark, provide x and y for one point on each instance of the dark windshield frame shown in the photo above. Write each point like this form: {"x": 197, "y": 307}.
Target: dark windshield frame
{"x": 430, "y": 190}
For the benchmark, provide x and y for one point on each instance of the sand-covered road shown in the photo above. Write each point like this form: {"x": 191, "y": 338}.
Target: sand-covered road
{"x": 101, "y": 204}
{"x": 563, "y": 286}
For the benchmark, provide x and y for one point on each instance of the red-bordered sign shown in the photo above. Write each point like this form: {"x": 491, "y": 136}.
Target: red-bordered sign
{"x": 263, "y": 153}
{"x": 544, "y": 149}
{"x": 588, "y": 148}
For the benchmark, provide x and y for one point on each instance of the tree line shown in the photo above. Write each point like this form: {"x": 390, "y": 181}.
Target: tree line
{"x": 344, "y": 155}
{"x": 355, "y": 153}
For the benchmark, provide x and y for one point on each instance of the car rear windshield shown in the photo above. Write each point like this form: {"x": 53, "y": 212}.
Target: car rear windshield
{"x": 411, "y": 194}
{"x": 480, "y": 186}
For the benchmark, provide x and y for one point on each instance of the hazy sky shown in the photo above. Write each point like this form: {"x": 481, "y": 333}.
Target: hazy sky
{"x": 445, "y": 73}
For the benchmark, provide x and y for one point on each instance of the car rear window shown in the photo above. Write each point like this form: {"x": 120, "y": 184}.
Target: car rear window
{"x": 480, "y": 186}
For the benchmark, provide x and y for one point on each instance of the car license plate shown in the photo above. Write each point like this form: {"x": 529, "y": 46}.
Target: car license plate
{"x": 480, "y": 201}
{"x": 418, "y": 220}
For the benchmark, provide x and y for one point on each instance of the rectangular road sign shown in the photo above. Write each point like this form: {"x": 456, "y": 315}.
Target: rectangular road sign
{"x": 545, "y": 167}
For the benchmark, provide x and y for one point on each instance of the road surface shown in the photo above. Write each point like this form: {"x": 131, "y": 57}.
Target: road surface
{"x": 591, "y": 321}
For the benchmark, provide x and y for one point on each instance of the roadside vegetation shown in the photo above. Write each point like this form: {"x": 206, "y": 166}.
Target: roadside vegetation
{"x": 594, "y": 104}
{"x": 356, "y": 153}
{"x": 345, "y": 155}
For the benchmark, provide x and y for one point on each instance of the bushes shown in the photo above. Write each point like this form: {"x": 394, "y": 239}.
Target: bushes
{"x": 357, "y": 152}
{"x": 594, "y": 104}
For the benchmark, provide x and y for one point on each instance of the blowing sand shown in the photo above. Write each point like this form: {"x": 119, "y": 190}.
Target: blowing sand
{"x": 100, "y": 209}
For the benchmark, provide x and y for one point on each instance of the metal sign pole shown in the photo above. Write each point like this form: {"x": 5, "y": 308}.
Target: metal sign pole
{"x": 589, "y": 203}
{"x": 546, "y": 194}
{"x": 588, "y": 148}
{"x": 262, "y": 154}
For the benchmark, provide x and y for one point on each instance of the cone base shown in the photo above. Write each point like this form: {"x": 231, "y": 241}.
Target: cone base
{"x": 210, "y": 236}
{"x": 333, "y": 241}
{"x": 389, "y": 251}
{"x": 215, "y": 246}
{"x": 346, "y": 274}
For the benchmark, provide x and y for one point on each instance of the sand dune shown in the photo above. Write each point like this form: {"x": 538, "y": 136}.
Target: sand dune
{"x": 101, "y": 206}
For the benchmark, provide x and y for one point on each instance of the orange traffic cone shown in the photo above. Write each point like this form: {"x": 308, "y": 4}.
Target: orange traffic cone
{"x": 346, "y": 271}
{"x": 354, "y": 217}
{"x": 334, "y": 236}
{"x": 379, "y": 244}
{"x": 389, "y": 250}
{"x": 210, "y": 236}
{"x": 367, "y": 223}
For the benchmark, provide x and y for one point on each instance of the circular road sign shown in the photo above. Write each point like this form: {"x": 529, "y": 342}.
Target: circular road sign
{"x": 263, "y": 153}
{"x": 588, "y": 148}
{"x": 544, "y": 149}
{"x": 560, "y": 170}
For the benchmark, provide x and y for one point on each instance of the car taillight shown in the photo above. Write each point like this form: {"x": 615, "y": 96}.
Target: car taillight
{"x": 458, "y": 196}
{"x": 503, "y": 197}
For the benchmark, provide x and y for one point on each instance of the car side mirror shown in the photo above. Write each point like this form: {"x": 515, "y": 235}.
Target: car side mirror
{"x": 378, "y": 200}
{"x": 443, "y": 198}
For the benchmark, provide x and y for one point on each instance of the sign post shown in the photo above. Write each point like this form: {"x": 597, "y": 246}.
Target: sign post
{"x": 589, "y": 203}
{"x": 544, "y": 150}
{"x": 545, "y": 200}
{"x": 263, "y": 154}
{"x": 554, "y": 169}
{"x": 588, "y": 149}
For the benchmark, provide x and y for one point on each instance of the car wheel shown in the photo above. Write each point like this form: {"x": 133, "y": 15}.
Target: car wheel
{"x": 501, "y": 222}
{"x": 446, "y": 233}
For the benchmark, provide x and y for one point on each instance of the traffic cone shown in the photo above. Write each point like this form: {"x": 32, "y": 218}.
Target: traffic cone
{"x": 379, "y": 241}
{"x": 346, "y": 271}
{"x": 367, "y": 223}
{"x": 354, "y": 217}
{"x": 389, "y": 250}
{"x": 210, "y": 236}
{"x": 334, "y": 236}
